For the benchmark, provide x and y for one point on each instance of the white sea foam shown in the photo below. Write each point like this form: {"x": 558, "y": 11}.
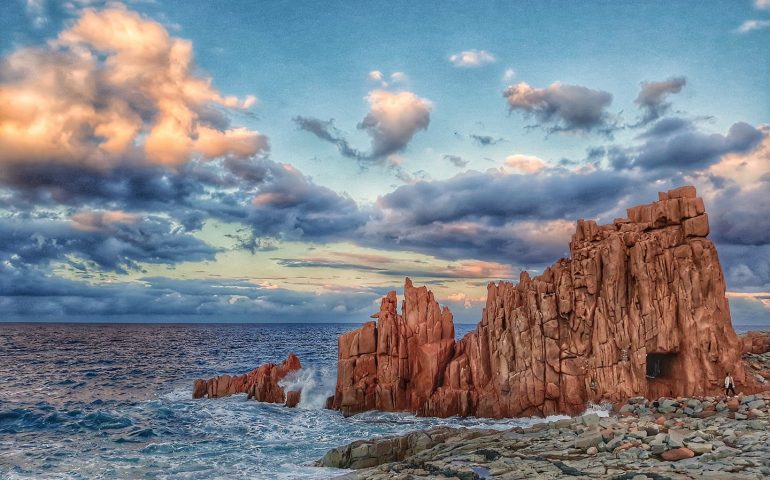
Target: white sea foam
{"x": 316, "y": 386}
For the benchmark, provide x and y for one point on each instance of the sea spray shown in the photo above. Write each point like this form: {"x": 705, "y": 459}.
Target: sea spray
{"x": 316, "y": 386}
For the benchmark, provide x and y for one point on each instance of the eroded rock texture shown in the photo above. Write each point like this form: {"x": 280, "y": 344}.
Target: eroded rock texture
{"x": 638, "y": 309}
{"x": 261, "y": 384}
{"x": 756, "y": 342}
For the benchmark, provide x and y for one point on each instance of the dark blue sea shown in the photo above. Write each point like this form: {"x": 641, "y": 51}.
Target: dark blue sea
{"x": 86, "y": 401}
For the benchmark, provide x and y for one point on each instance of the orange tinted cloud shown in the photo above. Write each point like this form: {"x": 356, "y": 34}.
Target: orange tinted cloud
{"x": 115, "y": 87}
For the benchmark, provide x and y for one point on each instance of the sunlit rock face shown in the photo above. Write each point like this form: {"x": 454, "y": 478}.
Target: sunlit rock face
{"x": 638, "y": 309}
{"x": 260, "y": 384}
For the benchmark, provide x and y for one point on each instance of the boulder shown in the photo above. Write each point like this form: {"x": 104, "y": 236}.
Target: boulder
{"x": 676, "y": 454}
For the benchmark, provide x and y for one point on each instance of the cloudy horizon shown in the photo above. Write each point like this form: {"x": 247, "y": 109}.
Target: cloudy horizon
{"x": 291, "y": 163}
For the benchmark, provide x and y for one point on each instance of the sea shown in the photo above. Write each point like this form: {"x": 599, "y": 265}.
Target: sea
{"x": 86, "y": 401}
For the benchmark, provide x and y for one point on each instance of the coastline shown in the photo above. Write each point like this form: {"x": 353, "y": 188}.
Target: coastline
{"x": 707, "y": 437}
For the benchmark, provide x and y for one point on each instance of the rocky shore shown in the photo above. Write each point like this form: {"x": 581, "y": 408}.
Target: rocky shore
{"x": 669, "y": 438}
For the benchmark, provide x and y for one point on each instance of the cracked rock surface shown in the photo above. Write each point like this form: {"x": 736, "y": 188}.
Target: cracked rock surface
{"x": 639, "y": 308}
{"x": 669, "y": 438}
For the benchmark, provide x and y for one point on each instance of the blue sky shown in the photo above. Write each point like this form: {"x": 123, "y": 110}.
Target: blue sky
{"x": 361, "y": 110}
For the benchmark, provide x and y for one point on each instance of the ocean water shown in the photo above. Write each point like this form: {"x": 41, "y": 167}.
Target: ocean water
{"x": 86, "y": 401}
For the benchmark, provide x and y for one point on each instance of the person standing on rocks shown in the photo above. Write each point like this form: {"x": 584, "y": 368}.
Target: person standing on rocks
{"x": 729, "y": 385}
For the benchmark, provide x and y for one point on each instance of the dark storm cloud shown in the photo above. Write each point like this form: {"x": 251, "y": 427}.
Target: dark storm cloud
{"x": 678, "y": 145}
{"x": 291, "y": 206}
{"x": 745, "y": 266}
{"x": 652, "y": 98}
{"x": 492, "y": 215}
{"x": 563, "y": 108}
{"x": 112, "y": 241}
{"x": 275, "y": 200}
{"x": 29, "y": 294}
{"x": 741, "y": 217}
{"x": 492, "y": 194}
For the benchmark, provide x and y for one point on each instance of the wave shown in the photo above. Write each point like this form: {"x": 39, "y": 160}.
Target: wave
{"x": 316, "y": 386}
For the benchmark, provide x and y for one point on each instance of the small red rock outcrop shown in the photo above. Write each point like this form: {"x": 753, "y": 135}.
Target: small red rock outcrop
{"x": 756, "y": 342}
{"x": 260, "y": 384}
{"x": 638, "y": 309}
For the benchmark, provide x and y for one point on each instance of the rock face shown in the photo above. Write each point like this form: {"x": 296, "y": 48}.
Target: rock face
{"x": 398, "y": 362}
{"x": 260, "y": 384}
{"x": 756, "y": 342}
{"x": 638, "y": 309}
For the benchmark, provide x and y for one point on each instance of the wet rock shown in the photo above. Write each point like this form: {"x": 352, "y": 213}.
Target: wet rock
{"x": 261, "y": 384}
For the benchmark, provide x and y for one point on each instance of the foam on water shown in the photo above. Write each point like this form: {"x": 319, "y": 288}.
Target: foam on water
{"x": 316, "y": 386}
{"x": 113, "y": 401}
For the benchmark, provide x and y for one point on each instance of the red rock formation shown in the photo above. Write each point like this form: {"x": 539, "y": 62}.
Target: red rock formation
{"x": 756, "y": 342}
{"x": 638, "y": 309}
{"x": 261, "y": 384}
{"x": 398, "y": 362}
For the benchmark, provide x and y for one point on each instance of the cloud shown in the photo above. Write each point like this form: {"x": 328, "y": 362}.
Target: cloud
{"x": 509, "y": 74}
{"x": 464, "y": 300}
{"x": 486, "y": 140}
{"x": 392, "y": 121}
{"x": 290, "y": 206}
{"x": 494, "y": 215}
{"x": 471, "y": 58}
{"x": 752, "y": 25}
{"x": 395, "y": 77}
{"x": 762, "y": 3}
{"x": 325, "y": 130}
{"x": 676, "y": 145}
{"x": 398, "y": 77}
{"x": 109, "y": 240}
{"x": 114, "y": 89}
{"x": 456, "y": 160}
{"x": 469, "y": 269}
{"x": 525, "y": 163}
{"x": 29, "y": 295}
{"x": 652, "y": 97}
{"x": 567, "y": 108}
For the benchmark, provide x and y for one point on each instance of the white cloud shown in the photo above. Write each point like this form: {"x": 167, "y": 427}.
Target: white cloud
{"x": 524, "y": 164}
{"x": 751, "y": 25}
{"x": 471, "y": 58}
{"x": 398, "y": 77}
{"x": 509, "y": 74}
{"x": 375, "y": 75}
{"x": 762, "y": 3}
{"x": 393, "y": 119}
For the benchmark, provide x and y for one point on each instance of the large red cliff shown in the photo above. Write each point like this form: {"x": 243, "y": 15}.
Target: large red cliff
{"x": 638, "y": 309}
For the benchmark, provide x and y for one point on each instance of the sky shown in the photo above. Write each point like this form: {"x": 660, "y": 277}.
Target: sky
{"x": 293, "y": 161}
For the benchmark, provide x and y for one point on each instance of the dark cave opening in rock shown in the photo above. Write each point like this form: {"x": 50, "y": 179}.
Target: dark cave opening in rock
{"x": 659, "y": 365}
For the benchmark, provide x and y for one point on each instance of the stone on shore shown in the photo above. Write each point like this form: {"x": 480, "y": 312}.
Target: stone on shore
{"x": 629, "y": 446}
